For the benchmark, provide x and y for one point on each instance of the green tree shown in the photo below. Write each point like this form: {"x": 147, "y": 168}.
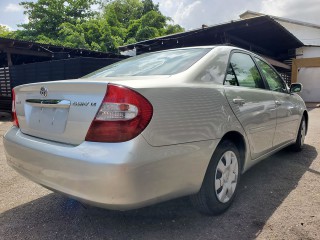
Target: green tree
{"x": 46, "y": 16}
{"x": 94, "y": 34}
{"x": 120, "y": 12}
{"x": 171, "y": 29}
{"x": 73, "y": 23}
{"x": 138, "y": 20}
{"x": 5, "y": 32}
{"x": 148, "y": 6}
{"x": 153, "y": 19}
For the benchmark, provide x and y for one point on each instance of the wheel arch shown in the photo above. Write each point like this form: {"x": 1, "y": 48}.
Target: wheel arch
{"x": 206, "y": 199}
{"x": 237, "y": 139}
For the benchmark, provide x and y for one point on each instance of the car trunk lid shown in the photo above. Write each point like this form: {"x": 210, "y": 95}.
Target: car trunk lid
{"x": 59, "y": 111}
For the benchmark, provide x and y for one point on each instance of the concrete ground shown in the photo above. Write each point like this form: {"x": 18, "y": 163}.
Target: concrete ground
{"x": 277, "y": 199}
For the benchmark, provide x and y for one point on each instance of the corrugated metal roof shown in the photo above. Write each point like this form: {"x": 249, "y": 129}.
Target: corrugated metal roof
{"x": 262, "y": 35}
{"x": 257, "y": 14}
{"x": 307, "y": 33}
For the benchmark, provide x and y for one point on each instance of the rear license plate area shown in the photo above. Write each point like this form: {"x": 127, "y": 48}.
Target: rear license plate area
{"x": 51, "y": 120}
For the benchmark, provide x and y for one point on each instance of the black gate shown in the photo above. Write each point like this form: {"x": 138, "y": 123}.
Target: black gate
{"x": 5, "y": 90}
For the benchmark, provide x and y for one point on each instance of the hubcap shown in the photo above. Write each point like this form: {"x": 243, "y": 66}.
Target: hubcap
{"x": 302, "y": 132}
{"x": 226, "y": 176}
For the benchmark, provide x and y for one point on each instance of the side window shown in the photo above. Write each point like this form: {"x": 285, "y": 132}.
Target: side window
{"x": 245, "y": 71}
{"x": 273, "y": 79}
{"x": 231, "y": 78}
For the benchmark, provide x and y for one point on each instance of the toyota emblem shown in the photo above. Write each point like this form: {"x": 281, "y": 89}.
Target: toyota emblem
{"x": 44, "y": 91}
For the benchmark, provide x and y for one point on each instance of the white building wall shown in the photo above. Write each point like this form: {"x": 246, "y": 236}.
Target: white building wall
{"x": 309, "y": 77}
{"x": 306, "y": 34}
{"x": 308, "y": 52}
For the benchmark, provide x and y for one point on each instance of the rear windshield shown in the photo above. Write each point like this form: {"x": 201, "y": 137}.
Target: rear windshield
{"x": 157, "y": 63}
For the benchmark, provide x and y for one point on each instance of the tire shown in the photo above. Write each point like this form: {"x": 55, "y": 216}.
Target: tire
{"x": 218, "y": 189}
{"x": 298, "y": 145}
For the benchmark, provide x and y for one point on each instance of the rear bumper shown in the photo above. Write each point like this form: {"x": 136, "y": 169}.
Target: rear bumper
{"x": 118, "y": 176}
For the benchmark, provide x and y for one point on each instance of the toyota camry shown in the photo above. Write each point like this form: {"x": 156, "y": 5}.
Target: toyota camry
{"x": 154, "y": 127}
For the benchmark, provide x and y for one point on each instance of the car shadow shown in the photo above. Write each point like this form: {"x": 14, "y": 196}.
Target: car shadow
{"x": 262, "y": 189}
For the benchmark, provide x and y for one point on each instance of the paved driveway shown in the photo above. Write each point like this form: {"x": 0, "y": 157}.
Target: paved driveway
{"x": 278, "y": 199}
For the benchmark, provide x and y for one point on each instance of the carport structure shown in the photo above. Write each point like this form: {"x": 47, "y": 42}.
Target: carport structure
{"x": 262, "y": 35}
{"x": 17, "y": 52}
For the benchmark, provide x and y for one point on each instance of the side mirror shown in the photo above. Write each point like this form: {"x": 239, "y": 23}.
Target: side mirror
{"x": 295, "y": 87}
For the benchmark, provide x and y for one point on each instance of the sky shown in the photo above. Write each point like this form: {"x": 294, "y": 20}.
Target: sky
{"x": 191, "y": 14}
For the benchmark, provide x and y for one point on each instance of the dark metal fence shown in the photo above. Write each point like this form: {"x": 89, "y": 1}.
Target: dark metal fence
{"x": 5, "y": 90}
{"x": 56, "y": 70}
{"x": 286, "y": 76}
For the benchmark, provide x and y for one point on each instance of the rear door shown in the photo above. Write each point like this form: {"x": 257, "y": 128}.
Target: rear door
{"x": 288, "y": 114}
{"x": 253, "y": 105}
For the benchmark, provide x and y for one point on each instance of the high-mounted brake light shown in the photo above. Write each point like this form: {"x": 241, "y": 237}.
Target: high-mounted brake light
{"x": 122, "y": 116}
{"x": 14, "y": 114}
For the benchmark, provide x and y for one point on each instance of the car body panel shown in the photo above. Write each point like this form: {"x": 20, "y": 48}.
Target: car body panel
{"x": 258, "y": 116}
{"x": 67, "y": 125}
{"x": 176, "y": 118}
{"x": 288, "y": 117}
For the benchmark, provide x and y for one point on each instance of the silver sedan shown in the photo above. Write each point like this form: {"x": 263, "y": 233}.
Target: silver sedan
{"x": 154, "y": 127}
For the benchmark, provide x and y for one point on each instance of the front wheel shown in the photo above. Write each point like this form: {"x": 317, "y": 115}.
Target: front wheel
{"x": 221, "y": 180}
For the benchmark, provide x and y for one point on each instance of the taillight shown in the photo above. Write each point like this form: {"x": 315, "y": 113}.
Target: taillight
{"x": 14, "y": 114}
{"x": 122, "y": 116}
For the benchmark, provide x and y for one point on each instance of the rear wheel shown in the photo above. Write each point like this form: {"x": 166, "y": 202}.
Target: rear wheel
{"x": 298, "y": 145}
{"x": 221, "y": 180}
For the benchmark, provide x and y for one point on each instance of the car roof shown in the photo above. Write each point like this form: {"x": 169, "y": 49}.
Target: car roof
{"x": 229, "y": 47}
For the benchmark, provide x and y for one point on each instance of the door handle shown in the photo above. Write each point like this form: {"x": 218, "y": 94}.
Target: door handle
{"x": 278, "y": 103}
{"x": 239, "y": 101}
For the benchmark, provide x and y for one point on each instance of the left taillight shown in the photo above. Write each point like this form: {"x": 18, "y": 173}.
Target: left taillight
{"x": 15, "y": 121}
{"x": 123, "y": 115}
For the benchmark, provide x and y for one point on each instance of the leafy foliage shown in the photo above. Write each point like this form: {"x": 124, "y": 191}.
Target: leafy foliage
{"x": 5, "y": 32}
{"x": 46, "y": 16}
{"x": 73, "y": 23}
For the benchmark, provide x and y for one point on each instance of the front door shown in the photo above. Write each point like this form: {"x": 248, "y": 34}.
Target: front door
{"x": 288, "y": 115}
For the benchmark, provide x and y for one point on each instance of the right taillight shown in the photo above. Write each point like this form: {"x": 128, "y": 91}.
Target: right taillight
{"x": 14, "y": 114}
{"x": 122, "y": 116}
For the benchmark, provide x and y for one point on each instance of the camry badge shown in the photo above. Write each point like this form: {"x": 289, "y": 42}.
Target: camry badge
{"x": 44, "y": 91}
